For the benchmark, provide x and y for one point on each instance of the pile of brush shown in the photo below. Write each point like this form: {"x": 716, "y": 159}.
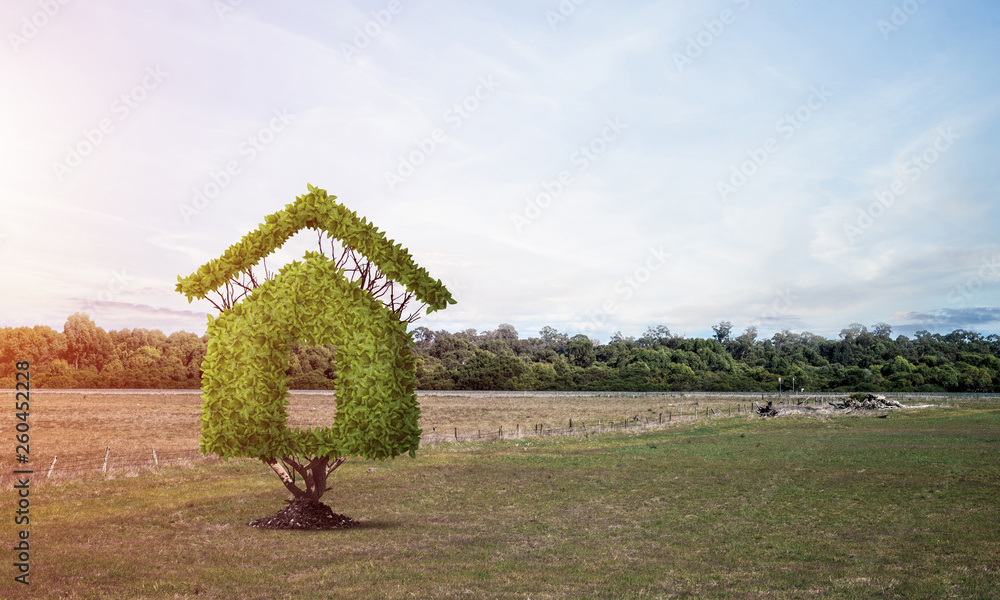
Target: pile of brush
{"x": 865, "y": 402}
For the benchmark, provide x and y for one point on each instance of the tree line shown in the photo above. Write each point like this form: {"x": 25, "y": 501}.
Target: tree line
{"x": 861, "y": 359}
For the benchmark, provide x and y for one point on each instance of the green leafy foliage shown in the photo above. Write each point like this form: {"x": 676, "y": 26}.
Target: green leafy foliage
{"x": 318, "y": 210}
{"x": 244, "y": 373}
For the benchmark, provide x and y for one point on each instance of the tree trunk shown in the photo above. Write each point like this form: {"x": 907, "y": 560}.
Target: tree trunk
{"x": 314, "y": 475}
{"x": 285, "y": 477}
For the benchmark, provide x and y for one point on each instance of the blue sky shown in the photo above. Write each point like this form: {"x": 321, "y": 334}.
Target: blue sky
{"x": 589, "y": 165}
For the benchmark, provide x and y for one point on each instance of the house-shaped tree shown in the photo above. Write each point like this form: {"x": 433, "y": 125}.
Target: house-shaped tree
{"x": 244, "y": 386}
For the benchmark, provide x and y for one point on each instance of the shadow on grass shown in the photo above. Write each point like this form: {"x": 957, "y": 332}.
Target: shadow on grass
{"x": 379, "y": 524}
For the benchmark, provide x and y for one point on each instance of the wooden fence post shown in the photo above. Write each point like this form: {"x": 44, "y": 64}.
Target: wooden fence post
{"x": 107, "y": 453}
{"x": 52, "y": 466}
{"x": 156, "y": 462}
{"x": 456, "y": 434}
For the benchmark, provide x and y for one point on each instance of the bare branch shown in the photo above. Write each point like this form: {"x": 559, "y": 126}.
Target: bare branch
{"x": 299, "y": 468}
{"x": 342, "y": 260}
{"x": 356, "y": 268}
{"x": 333, "y": 465}
{"x": 415, "y": 315}
{"x": 217, "y": 307}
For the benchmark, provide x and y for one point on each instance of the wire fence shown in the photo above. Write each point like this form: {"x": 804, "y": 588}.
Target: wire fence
{"x": 675, "y": 396}
{"x": 119, "y": 463}
{"x": 637, "y": 423}
{"x": 130, "y": 463}
{"x": 632, "y": 424}
{"x": 111, "y": 462}
{"x": 973, "y": 396}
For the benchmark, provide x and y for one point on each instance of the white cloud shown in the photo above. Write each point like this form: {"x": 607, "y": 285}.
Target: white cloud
{"x": 655, "y": 186}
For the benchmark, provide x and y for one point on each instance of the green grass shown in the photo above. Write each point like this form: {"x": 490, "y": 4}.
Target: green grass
{"x": 903, "y": 507}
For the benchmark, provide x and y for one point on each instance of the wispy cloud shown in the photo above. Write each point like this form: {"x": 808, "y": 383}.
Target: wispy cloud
{"x": 786, "y": 229}
{"x": 948, "y": 319}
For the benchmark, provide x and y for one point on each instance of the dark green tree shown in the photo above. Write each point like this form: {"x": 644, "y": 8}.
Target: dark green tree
{"x": 486, "y": 371}
{"x": 554, "y": 340}
{"x": 722, "y": 331}
{"x": 87, "y": 345}
{"x": 580, "y": 351}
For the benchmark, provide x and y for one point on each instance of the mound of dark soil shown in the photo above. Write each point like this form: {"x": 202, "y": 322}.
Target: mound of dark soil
{"x": 305, "y": 513}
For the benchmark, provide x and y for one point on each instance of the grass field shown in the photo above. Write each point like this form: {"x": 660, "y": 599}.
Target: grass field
{"x": 902, "y": 507}
{"x": 79, "y": 426}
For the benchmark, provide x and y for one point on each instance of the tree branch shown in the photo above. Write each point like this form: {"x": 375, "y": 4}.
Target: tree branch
{"x": 300, "y": 469}
{"x": 336, "y": 463}
{"x": 285, "y": 477}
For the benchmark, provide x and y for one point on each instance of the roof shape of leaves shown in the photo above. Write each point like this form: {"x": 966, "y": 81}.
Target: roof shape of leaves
{"x": 318, "y": 210}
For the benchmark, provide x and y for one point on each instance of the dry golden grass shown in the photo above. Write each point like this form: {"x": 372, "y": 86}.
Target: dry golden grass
{"x": 78, "y": 426}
